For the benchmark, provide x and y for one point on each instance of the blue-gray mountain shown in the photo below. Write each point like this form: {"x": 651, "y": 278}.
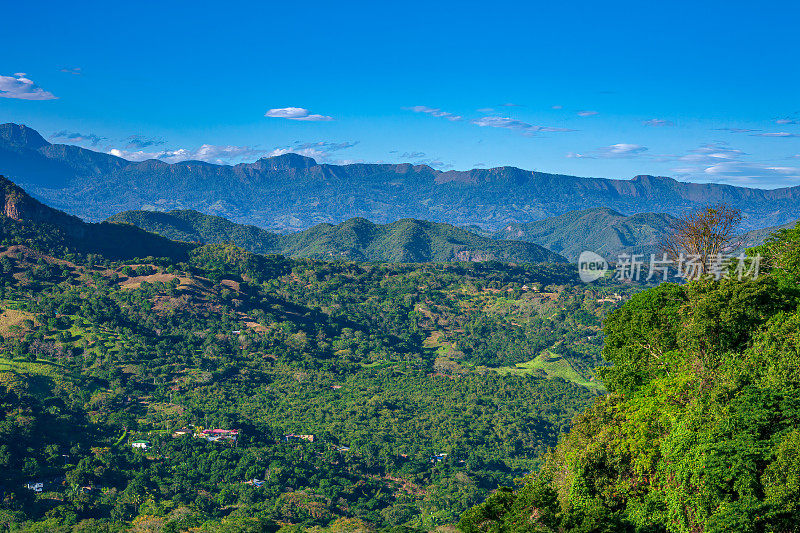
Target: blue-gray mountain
{"x": 292, "y": 192}
{"x": 609, "y": 233}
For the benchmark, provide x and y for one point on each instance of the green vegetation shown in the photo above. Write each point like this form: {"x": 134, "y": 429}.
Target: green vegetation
{"x": 699, "y": 431}
{"x": 404, "y": 241}
{"x": 553, "y": 366}
{"x": 395, "y": 369}
{"x": 600, "y": 230}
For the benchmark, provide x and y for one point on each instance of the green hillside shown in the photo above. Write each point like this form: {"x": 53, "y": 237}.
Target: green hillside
{"x": 601, "y": 230}
{"x": 357, "y": 239}
{"x": 700, "y": 430}
{"x": 406, "y": 383}
{"x": 24, "y": 220}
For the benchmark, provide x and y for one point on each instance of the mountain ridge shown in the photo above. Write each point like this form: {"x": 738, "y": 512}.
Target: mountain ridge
{"x": 291, "y": 192}
{"x": 357, "y": 239}
{"x": 27, "y": 220}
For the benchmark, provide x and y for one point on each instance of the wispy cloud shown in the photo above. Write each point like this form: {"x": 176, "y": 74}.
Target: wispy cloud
{"x": 72, "y": 70}
{"x": 778, "y": 134}
{"x": 587, "y": 113}
{"x": 20, "y": 87}
{"x": 615, "y": 151}
{"x": 518, "y": 125}
{"x": 492, "y": 120}
{"x": 434, "y": 112}
{"x": 658, "y": 122}
{"x": 792, "y": 119}
{"x": 320, "y": 151}
{"x": 139, "y": 142}
{"x": 421, "y": 158}
{"x": 78, "y": 138}
{"x": 736, "y": 130}
{"x": 208, "y": 152}
{"x": 296, "y": 113}
{"x": 720, "y": 162}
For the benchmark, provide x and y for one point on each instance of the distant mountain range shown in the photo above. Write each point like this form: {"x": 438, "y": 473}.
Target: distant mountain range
{"x": 601, "y": 230}
{"x": 291, "y": 192}
{"x": 609, "y": 233}
{"x": 403, "y": 241}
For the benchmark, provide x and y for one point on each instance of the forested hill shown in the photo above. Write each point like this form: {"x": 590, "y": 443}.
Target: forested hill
{"x": 291, "y": 192}
{"x": 700, "y": 430}
{"x": 610, "y": 233}
{"x": 601, "y": 230}
{"x": 216, "y": 390}
{"x": 404, "y": 241}
{"x": 26, "y": 220}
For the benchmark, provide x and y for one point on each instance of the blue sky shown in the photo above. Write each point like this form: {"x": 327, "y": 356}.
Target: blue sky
{"x": 701, "y": 91}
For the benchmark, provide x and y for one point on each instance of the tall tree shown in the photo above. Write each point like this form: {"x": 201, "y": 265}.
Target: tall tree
{"x": 703, "y": 237}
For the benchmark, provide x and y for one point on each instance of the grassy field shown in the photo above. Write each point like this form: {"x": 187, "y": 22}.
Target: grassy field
{"x": 553, "y": 365}
{"x": 11, "y": 318}
{"x": 42, "y": 374}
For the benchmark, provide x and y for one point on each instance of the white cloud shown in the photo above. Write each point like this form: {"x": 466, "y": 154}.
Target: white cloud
{"x": 74, "y": 70}
{"x": 623, "y": 149}
{"x": 586, "y": 113}
{"x": 296, "y": 113}
{"x": 502, "y": 122}
{"x": 657, "y": 122}
{"x": 615, "y": 151}
{"x": 787, "y": 120}
{"x": 208, "y": 152}
{"x": 435, "y": 112}
{"x": 22, "y": 88}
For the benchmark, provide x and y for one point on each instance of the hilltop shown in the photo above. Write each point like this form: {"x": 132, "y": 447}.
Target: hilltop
{"x": 403, "y": 241}
{"x": 26, "y": 220}
{"x": 601, "y": 230}
{"x": 292, "y": 192}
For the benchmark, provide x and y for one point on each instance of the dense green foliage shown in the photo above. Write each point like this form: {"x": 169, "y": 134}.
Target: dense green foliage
{"x": 358, "y": 239}
{"x": 700, "y": 430}
{"x": 390, "y": 367}
{"x": 601, "y": 230}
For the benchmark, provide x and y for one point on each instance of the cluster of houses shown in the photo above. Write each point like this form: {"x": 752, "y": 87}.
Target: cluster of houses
{"x": 211, "y": 435}
{"x": 217, "y": 435}
{"x": 291, "y": 437}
